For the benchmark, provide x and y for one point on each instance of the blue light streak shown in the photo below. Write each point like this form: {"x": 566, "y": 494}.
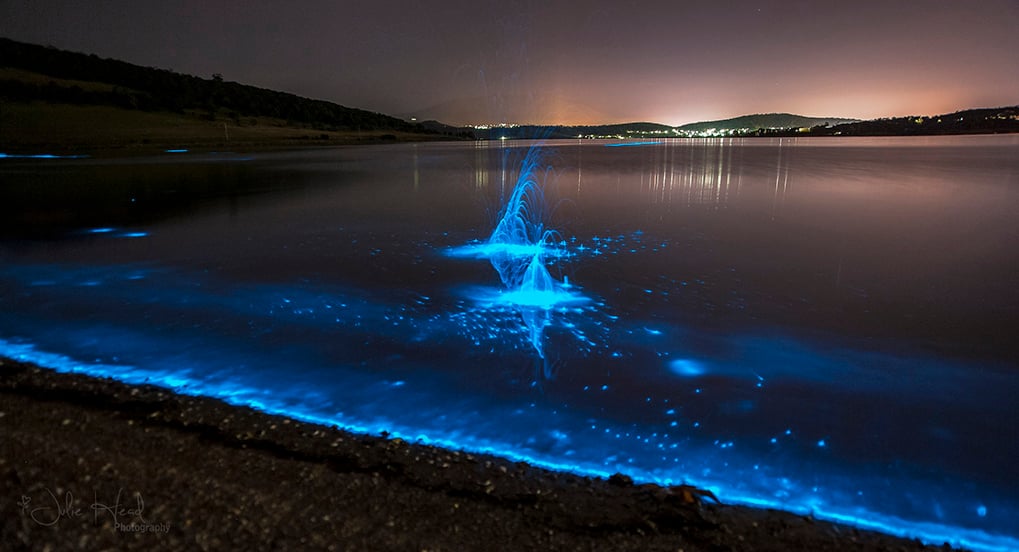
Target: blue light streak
{"x": 40, "y": 156}
{"x": 110, "y": 231}
{"x": 631, "y": 144}
{"x": 539, "y": 299}
{"x": 488, "y": 250}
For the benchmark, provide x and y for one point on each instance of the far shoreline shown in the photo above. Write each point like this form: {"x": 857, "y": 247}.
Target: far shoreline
{"x": 134, "y": 151}
{"x": 100, "y": 132}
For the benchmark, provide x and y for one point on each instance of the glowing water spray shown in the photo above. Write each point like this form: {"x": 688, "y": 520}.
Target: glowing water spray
{"x": 519, "y": 239}
{"x": 519, "y": 246}
{"x": 519, "y": 249}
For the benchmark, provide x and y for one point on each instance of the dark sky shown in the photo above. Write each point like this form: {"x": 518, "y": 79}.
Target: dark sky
{"x": 482, "y": 61}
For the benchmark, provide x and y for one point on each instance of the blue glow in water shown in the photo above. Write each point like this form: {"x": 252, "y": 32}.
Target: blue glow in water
{"x": 488, "y": 250}
{"x": 40, "y": 156}
{"x": 176, "y": 151}
{"x": 686, "y": 368}
{"x": 533, "y": 298}
{"x": 305, "y": 403}
{"x": 639, "y": 390}
{"x": 631, "y": 144}
{"x": 113, "y": 232}
{"x": 518, "y": 249}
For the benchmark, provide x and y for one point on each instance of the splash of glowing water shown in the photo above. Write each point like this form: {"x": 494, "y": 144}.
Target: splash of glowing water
{"x": 518, "y": 249}
{"x": 520, "y": 236}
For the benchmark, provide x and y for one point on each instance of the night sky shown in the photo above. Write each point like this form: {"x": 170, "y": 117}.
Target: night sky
{"x": 483, "y": 61}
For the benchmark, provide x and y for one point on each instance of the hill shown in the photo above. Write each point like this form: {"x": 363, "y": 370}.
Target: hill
{"x": 110, "y": 103}
{"x": 994, "y": 120}
{"x": 765, "y": 121}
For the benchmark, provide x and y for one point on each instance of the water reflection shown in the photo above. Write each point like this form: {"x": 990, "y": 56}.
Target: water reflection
{"x": 705, "y": 172}
{"x": 691, "y": 173}
{"x": 781, "y": 179}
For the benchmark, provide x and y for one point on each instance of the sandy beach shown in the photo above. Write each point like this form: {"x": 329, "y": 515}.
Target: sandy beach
{"x": 94, "y": 464}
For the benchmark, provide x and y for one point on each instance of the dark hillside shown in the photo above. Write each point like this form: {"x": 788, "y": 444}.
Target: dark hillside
{"x": 149, "y": 89}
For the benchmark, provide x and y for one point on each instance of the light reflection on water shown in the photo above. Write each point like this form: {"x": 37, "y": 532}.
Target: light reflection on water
{"x": 812, "y": 325}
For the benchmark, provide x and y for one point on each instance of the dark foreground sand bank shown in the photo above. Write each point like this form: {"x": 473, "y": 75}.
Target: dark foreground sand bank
{"x": 198, "y": 474}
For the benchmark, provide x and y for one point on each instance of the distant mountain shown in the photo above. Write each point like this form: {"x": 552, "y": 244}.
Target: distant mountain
{"x": 764, "y": 121}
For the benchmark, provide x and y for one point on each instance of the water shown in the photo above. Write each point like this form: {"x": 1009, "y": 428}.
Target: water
{"x": 823, "y": 326}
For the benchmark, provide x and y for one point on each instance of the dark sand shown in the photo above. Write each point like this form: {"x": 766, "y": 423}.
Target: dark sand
{"x": 198, "y": 474}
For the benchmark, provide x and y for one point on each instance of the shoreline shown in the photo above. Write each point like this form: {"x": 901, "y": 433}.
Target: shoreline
{"x": 107, "y": 152}
{"x": 96, "y": 463}
{"x": 98, "y": 131}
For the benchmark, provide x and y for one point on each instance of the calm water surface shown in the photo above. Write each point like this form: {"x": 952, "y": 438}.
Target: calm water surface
{"x": 816, "y": 325}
